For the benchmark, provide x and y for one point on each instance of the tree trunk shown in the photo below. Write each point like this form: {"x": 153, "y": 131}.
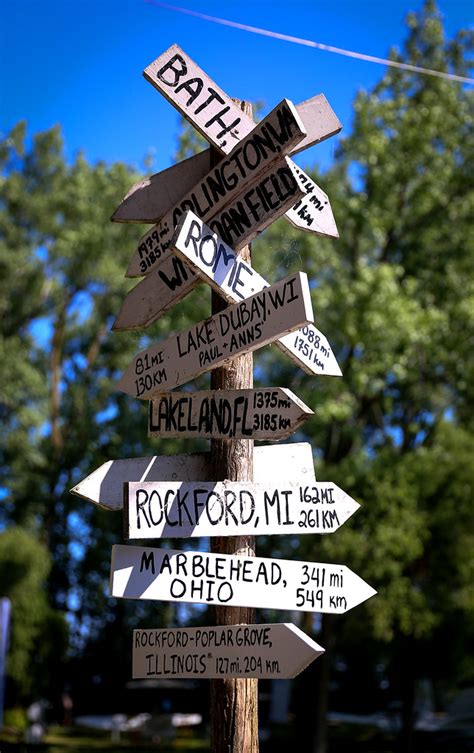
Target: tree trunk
{"x": 234, "y": 702}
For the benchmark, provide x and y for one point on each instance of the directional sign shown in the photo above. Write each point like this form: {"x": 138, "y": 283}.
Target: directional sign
{"x": 150, "y": 199}
{"x": 238, "y": 329}
{"x": 200, "y": 577}
{"x": 104, "y": 486}
{"x": 165, "y": 509}
{"x": 199, "y": 99}
{"x": 265, "y": 413}
{"x": 162, "y": 289}
{"x": 277, "y": 651}
{"x": 251, "y": 209}
{"x": 235, "y": 280}
{"x": 189, "y": 93}
{"x": 312, "y": 212}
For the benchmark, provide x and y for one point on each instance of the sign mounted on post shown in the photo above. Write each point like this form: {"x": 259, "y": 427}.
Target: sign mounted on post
{"x": 251, "y": 209}
{"x": 170, "y": 74}
{"x": 235, "y": 280}
{"x": 165, "y": 509}
{"x": 240, "y": 328}
{"x": 277, "y": 651}
{"x": 150, "y": 199}
{"x": 265, "y": 413}
{"x": 272, "y": 463}
{"x": 203, "y": 578}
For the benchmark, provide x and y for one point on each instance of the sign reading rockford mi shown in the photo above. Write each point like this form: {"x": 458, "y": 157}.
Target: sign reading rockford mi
{"x": 232, "y": 508}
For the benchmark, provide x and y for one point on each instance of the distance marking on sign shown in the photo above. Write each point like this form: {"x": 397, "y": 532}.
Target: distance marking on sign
{"x": 204, "y": 578}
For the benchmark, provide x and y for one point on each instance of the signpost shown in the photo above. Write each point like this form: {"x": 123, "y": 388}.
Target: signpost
{"x": 165, "y": 509}
{"x": 238, "y": 188}
{"x": 276, "y": 651}
{"x": 150, "y": 199}
{"x": 241, "y": 328}
{"x": 266, "y": 413}
{"x": 204, "y": 578}
{"x": 104, "y": 486}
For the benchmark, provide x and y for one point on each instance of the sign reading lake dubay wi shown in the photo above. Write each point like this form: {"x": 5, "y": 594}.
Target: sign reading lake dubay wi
{"x": 265, "y": 413}
{"x": 203, "y": 578}
{"x": 235, "y": 279}
{"x": 278, "y": 651}
{"x": 240, "y": 328}
{"x": 232, "y": 508}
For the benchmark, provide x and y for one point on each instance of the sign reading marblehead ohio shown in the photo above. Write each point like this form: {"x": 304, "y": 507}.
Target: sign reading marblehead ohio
{"x": 199, "y": 577}
{"x": 242, "y": 194}
{"x": 265, "y": 413}
{"x": 235, "y": 279}
{"x": 232, "y": 508}
{"x": 280, "y": 650}
{"x": 240, "y": 328}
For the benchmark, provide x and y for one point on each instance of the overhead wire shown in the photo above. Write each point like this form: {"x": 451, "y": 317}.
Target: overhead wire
{"x": 311, "y": 43}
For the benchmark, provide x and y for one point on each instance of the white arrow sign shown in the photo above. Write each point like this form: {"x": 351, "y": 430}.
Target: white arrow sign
{"x": 150, "y": 199}
{"x": 265, "y": 413}
{"x": 277, "y": 651}
{"x": 104, "y": 486}
{"x": 166, "y": 509}
{"x": 199, "y": 577}
{"x": 209, "y": 109}
{"x": 251, "y": 209}
{"x": 240, "y": 328}
{"x": 310, "y": 212}
{"x": 235, "y": 280}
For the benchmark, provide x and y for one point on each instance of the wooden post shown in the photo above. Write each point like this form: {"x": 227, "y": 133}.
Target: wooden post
{"x": 234, "y": 702}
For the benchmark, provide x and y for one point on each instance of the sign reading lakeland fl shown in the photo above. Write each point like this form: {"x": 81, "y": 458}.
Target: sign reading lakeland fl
{"x": 271, "y": 463}
{"x": 240, "y": 328}
{"x": 276, "y": 651}
{"x": 265, "y": 413}
{"x": 232, "y": 508}
{"x": 235, "y": 279}
{"x": 203, "y": 578}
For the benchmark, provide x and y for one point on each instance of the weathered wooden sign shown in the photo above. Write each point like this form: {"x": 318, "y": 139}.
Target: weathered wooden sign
{"x": 264, "y": 413}
{"x": 277, "y": 651}
{"x": 251, "y": 209}
{"x": 163, "y": 509}
{"x": 199, "y": 577}
{"x": 149, "y": 200}
{"x": 235, "y": 280}
{"x": 104, "y": 486}
{"x": 240, "y": 328}
{"x": 162, "y": 289}
{"x": 170, "y": 74}
{"x": 313, "y": 211}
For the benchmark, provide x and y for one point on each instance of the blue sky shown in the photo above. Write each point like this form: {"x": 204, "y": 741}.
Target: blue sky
{"x": 79, "y": 63}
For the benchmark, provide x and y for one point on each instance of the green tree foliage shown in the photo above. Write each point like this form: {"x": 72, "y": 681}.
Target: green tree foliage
{"x": 395, "y": 296}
